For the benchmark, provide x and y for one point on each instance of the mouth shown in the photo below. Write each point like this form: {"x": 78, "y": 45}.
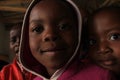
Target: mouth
{"x": 53, "y": 50}
{"x": 108, "y": 62}
{"x": 16, "y": 50}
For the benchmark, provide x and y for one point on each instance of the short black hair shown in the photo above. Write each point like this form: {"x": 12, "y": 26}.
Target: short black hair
{"x": 16, "y": 26}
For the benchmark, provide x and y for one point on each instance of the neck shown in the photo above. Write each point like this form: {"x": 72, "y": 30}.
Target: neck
{"x": 51, "y": 71}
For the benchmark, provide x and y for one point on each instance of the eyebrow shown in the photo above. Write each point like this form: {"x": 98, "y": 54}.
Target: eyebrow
{"x": 114, "y": 28}
{"x": 36, "y": 21}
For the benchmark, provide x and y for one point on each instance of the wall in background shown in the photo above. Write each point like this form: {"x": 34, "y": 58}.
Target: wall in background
{"x": 4, "y": 42}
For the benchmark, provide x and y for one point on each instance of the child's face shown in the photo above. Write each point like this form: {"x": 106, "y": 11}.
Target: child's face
{"x": 105, "y": 40}
{"x": 52, "y": 33}
{"x": 15, "y": 40}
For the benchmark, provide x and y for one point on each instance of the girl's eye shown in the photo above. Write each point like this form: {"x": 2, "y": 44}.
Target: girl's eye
{"x": 13, "y": 40}
{"x": 38, "y": 29}
{"x": 64, "y": 26}
{"x": 115, "y": 37}
{"x": 92, "y": 42}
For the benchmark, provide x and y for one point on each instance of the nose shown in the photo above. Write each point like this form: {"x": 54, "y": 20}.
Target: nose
{"x": 104, "y": 48}
{"x": 51, "y": 35}
{"x": 17, "y": 42}
{"x": 50, "y": 38}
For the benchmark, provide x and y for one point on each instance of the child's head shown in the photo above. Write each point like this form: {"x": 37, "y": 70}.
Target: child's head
{"x": 53, "y": 34}
{"x": 104, "y": 38}
{"x": 15, "y": 33}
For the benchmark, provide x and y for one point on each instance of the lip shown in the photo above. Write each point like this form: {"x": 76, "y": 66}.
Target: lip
{"x": 53, "y": 50}
{"x": 16, "y": 50}
{"x": 107, "y": 62}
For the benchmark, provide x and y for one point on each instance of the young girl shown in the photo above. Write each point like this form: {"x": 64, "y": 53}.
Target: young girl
{"x": 104, "y": 35}
{"x": 49, "y": 45}
{"x": 15, "y": 33}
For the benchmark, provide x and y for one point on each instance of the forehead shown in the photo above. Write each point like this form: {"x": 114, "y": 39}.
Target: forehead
{"x": 16, "y": 27}
{"x": 105, "y": 20}
{"x": 15, "y": 31}
{"x": 107, "y": 13}
{"x": 55, "y": 8}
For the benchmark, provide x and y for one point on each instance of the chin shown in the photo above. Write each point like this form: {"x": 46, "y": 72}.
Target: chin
{"x": 56, "y": 65}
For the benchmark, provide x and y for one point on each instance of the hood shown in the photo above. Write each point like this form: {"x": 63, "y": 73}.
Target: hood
{"x": 26, "y": 59}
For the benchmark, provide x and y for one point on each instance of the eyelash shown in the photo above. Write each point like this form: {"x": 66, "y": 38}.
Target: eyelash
{"x": 114, "y": 36}
{"x": 91, "y": 42}
{"x": 13, "y": 40}
{"x": 38, "y": 29}
{"x": 63, "y": 27}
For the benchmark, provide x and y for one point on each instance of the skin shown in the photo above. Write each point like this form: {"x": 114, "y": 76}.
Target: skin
{"x": 52, "y": 34}
{"x": 104, "y": 34}
{"x": 15, "y": 39}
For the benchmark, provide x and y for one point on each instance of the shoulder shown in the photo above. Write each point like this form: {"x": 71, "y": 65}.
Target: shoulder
{"x": 9, "y": 68}
{"x": 11, "y": 71}
{"x": 92, "y": 68}
{"x": 92, "y": 72}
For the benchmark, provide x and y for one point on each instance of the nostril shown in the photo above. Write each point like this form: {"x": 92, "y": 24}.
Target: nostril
{"x": 47, "y": 39}
{"x": 105, "y": 51}
{"x": 108, "y": 50}
{"x": 50, "y": 38}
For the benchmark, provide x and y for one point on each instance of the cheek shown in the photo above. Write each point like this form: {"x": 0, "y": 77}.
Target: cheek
{"x": 115, "y": 47}
{"x": 70, "y": 38}
{"x": 116, "y": 51}
{"x": 34, "y": 44}
{"x": 34, "y": 41}
{"x": 92, "y": 53}
{"x": 11, "y": 46}
{"x": 71, "y": 41}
